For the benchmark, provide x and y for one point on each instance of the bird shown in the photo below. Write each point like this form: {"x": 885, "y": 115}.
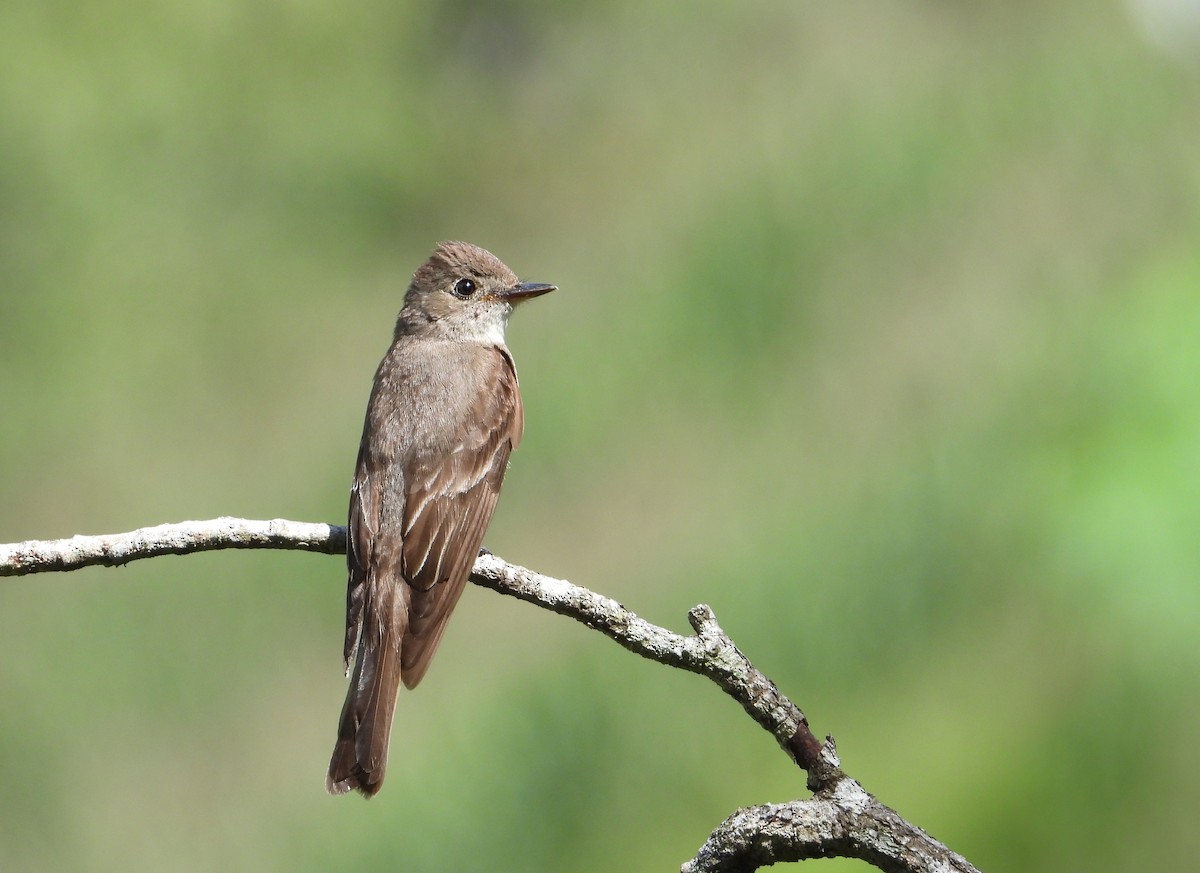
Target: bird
{"x": 443, "y": 417}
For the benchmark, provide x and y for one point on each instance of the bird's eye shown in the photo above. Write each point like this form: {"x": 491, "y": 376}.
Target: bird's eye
{"x": 464, "y": 288}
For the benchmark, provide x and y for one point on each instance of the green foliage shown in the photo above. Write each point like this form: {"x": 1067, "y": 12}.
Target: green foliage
{"x": 877, "y": 332}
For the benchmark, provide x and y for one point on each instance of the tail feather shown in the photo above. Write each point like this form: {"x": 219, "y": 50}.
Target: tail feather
{"x": 360, "y": 754}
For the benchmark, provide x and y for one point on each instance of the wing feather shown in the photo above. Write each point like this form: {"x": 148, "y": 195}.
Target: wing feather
{"x": 360, "y": 536}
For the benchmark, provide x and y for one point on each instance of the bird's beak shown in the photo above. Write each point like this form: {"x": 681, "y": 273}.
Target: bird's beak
{"x": 526, "y": 290}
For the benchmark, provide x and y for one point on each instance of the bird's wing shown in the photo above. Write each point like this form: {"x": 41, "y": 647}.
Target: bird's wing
{"x": 448, "y": 504}
{"x": 360, "y": 537}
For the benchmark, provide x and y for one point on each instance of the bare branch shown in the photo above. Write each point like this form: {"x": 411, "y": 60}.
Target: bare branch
{"x": 115, "y": 550}
{"x": 841, "y": 820}
{"x": 710, "y": 652}
{"x": 846, "y": 822}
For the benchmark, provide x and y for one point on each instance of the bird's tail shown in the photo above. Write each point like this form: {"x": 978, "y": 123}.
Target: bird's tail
{"x": 360, "y": 755}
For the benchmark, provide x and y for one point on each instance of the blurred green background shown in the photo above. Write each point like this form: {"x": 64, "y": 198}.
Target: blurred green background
{"x": 878, "y": 330}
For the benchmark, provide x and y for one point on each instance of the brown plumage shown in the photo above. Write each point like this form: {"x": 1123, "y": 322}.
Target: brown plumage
{"x": 444, "y": 415}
